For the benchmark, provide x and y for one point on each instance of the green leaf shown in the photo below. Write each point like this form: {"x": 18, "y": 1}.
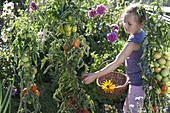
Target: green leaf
{"x": 46, "y": 70}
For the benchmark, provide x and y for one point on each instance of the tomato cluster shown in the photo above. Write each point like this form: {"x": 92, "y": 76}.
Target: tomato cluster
{"x": 75, "y": 43}
{"x": 68, "y": 27}
{"x": 33, "y": 89}
{"x": 161, "y": 64}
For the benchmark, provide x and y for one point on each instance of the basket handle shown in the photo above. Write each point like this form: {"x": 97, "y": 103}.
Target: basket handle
{"x": 119, "y": 86}
{"x": 105, "y": 63}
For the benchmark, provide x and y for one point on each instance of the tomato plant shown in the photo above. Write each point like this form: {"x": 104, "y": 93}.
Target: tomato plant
{"x": 52, "y": 43}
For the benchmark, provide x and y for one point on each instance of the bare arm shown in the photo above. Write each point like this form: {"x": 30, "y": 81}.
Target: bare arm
{"x": 126, "y": 51}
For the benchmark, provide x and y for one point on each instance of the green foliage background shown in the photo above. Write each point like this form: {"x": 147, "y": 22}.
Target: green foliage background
{"x": 62, "y": 70}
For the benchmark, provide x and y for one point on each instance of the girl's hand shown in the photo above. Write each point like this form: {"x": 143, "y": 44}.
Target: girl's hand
{"x": 88, "y": 78}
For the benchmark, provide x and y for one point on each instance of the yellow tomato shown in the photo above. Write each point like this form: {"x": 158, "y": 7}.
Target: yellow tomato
{"x": 67, "y": 27}
{"x": 157, "y": 55}
{"x": 68, "y": 33}
{"x": 74, "y": 29}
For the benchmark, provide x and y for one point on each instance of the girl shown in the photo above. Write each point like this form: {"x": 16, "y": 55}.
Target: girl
{"x": 134, "y": 17}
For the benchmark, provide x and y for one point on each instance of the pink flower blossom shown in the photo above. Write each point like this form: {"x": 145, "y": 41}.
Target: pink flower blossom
{"x": 92, "y": 13}
{"x": 112, "y": 37}
{"x": 115, "y": 27}
{"x": 33, "y": 5}
{"x": 101, "y": 9}
{"x": 40, "y": 34}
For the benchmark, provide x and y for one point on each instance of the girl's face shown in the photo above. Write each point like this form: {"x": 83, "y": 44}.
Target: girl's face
{"x": 131, "y": 26}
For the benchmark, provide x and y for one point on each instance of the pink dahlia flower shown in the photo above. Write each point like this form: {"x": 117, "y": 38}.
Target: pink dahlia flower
{"x": 112, "y": 37}
{"x": 92, "y": 13}
{"x": 101, "y": 9}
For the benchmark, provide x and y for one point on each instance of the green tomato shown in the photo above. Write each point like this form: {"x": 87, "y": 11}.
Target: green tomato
{"x": 27, "y": 64}
{"x": 156, "y": 64}
{"x": 167, "y": 63}
{"x": 61, "y": 29}
{"x": 26, "y": 75}
{"x": 158, "y": 77}
{"x": 166, "y": 55}
{"x": 69, "y": 18}
{"x": 68, "y": 33}
{"x": 158, "y": 91}
{"x": 74, "y": 29}
{"x": 25, "y": 58}
{"x": 161, "y": 61}
{"x": 165, "y": 72}
{"x": 67, "y": 27}
{"x": 165, "y": 80}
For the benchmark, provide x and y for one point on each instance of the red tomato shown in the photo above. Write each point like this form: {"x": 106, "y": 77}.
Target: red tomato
{"x": 24, "y": 91}
{"x": 79, "y": 111}
{"x": 85, "y": 111}
{"x": 154, "y": 109}
{"x": 33, "y": 87}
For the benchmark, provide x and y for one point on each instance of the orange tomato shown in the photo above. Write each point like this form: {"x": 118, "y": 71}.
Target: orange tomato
{"x": 37, "y": 93}
{"x": 164, "y": 88}
{"x": 163, "y": 92}
{"x": 33, "y": 87}
{"x": 76, "y": 43}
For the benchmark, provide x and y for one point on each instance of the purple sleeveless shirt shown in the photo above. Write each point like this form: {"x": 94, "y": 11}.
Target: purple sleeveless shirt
{"x": 132, "y": 67}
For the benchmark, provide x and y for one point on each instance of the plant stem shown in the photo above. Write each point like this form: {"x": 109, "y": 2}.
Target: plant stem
{"x": 20, "y": 104}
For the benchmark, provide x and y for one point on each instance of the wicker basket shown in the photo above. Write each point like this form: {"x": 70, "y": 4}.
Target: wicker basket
{"x": 120, "y": 81}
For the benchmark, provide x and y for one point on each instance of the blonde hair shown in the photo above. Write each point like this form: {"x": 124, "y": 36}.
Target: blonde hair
{"x": 138, "y": 10}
